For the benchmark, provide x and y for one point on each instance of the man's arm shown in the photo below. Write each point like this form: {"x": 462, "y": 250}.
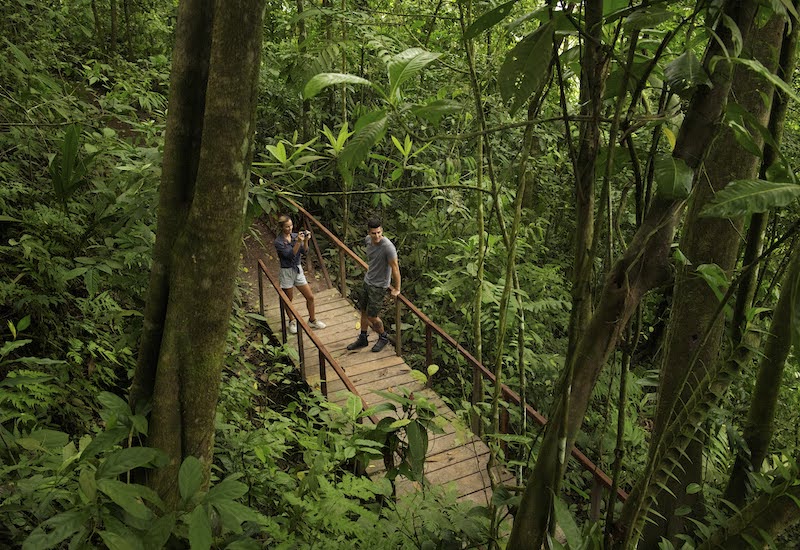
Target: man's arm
{"x": 393, "y": 263}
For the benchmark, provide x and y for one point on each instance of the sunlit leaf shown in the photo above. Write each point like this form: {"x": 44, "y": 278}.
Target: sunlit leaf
{"x": 323, "y": 80}
{"x": 405, "y": 65}
{"x": 744, "y": 197}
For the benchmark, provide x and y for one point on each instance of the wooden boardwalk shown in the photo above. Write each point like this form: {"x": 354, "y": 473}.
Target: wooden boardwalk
{"x": 454, "y": 457}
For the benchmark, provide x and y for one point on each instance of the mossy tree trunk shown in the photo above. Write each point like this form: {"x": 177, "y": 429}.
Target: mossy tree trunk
{"x": 645, "y": 265}
{"x": 206, "y": 167}
{"x": 695, "y": 330}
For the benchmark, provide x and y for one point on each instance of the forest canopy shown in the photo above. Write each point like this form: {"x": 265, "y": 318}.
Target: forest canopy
{"x": 597, "y": 199}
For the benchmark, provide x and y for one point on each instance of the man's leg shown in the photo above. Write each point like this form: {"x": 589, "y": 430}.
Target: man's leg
{"x": 383, "y": 338}
{"x": 361, "y": 341}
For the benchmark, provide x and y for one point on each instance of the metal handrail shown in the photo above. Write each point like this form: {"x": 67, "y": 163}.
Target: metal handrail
{"x": 303, "y": 328}
{"x": 430, "y": 328}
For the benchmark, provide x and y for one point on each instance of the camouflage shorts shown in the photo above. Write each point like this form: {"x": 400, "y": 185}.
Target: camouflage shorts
{"x": 370, "y": 299}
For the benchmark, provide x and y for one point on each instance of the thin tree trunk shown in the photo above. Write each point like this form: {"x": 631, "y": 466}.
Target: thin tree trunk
{"x": 114, "y": 27}
{"x": 645, "y": 265}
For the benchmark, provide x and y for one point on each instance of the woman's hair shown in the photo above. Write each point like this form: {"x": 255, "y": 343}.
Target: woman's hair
{"x": 282, "y": 219}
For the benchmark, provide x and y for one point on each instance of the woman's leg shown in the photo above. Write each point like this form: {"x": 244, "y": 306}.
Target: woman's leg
{"x": 306, "y": 291}
{"x": 289, "y": 294}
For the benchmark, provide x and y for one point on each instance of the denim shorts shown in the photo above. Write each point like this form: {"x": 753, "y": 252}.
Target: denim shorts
{"x": 369, "y": 298}
{"x": 290, "y": 277}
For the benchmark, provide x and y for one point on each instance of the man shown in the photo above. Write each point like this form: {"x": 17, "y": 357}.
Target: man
{"x": 383, "y": 268}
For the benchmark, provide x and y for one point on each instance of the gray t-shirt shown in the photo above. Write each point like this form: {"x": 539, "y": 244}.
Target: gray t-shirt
{"x": 378, "y": 257}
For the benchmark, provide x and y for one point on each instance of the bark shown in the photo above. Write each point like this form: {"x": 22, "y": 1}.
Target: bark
{"x": 594, "y": 69}
{"x": 736, "y": 491}
{"x": 760, "y": 425}
{"x": 187, "y": 99}
{"x": 645, "y": 265}
{"x": 204, "y": 255}
{"x": 114, "y": 28}
{"x": 695, "y": 331}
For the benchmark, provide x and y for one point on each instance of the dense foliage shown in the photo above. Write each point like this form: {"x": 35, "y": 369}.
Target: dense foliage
{"x": 458, "y": 125}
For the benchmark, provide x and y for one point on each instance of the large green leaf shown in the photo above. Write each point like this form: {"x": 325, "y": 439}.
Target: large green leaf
{"x": 673, "y": 177}
{"x": 190, "y": 477}
{"x": 354, "y": 406}
{"x": 118, "y": 541}
{"x": 435, "y": 110}
{"x": 125, "y": 460}
{"x": 321, "y": 81}
{"x": 762, "y": 71}
{"x": 200, "y": 537}
{"x": 56, "y": 529}
{"x": 685, "y": 72}
{"x": 567, "y": 523}
{"x": 404, "y": 65}
{"x": 417, "y": 447}
{"x": 361, "y": 142}
{"x": 489, "y": 19}
{"x": 743, "y": 197}
{"x": 526, "y": 67}
{"x": 647, "y": 17}
{"x": 128, "y": 497}
{"x": 227, "y": 489}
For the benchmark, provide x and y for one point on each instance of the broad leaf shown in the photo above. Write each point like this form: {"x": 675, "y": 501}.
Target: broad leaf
{"x": 190, "y": 477}
{"x": 360, "y": 143}
{"x": 227, "y": 489}
{"x": 673, "y": 177}
{"x": 526, "y": 67}
{"x": 647, "y": 17}
{"x": 117, "y": 541}
{"x": 685, "y": 72}
{"x": 762, "y": 71}
{"x": 417, "y": 447}
{"x": 354, "y": 406}
{"x": 128, "y": 497}
{"x": 566, "y": 521}
{"x": 126, "y": 460}
{"x": 743, "y": 197}
{"x": 199, "y": 529}
{"x": 56, "y": 529}
{"x": 489, "y": 19}
{"x": 321, "y": 81}
{"x": 405, "y": 65}
{"x": 435, "y": 110}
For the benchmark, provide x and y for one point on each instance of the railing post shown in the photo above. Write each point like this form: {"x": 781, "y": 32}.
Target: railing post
{"x": 428, "y": 345}
{"x": 260, "y": 291}
{"x": 284, "y": 335}
{"x": 301, "y": 352}
{"x": 398, "y": 329}
{"x": 504, "y": 421}
{"x": 323, "y": 374}
{"x": 342, "y": 274}
{"x": 596, "y": 499}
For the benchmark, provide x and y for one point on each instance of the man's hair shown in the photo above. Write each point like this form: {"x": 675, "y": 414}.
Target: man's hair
{"x": 374, "y": 223}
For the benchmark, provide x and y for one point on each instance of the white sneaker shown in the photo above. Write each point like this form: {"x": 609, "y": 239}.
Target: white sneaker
{"x": 317, "y": 324}
{"x": 293, "y": 326}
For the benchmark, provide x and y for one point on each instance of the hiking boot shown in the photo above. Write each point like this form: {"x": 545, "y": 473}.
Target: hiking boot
{"x": 293, "y": 326}
{"x": 316, "y": 323}
{"x": 380, "y": 344}
{"x": 361, "y": 342}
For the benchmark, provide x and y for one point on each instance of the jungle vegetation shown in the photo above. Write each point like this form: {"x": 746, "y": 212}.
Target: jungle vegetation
{"x": 598, "y": 198}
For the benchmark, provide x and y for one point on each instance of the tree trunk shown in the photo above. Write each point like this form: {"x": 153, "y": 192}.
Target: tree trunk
{"x": 594, "y": 67}
{"x": 204, "y": 255}
{"x": 736, "y": 491}
{"x": 645, "y": 265}
{"x": 114, "y": 28}
{"x": 187, "y": 101}
{"x": 694, "y": 336}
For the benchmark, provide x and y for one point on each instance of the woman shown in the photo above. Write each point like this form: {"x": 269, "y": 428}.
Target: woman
{"x": 290, "y": 247}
